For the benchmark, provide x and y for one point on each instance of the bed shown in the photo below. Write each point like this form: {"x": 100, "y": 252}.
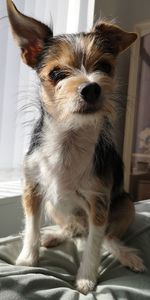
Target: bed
{"x": 54, "y": 277}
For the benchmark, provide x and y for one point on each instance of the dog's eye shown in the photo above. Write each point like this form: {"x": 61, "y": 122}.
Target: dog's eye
{"x": 104, "y": 66}
{"x": 57, "y": 74}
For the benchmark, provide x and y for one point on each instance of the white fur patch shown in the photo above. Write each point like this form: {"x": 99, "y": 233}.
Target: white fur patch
{"x": 30, "y": 252}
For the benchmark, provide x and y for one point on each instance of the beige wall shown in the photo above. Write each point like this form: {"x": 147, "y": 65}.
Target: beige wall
{"x": 127, "y": 13}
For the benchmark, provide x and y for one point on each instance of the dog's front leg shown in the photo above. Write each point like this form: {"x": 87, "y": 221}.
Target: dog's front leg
{"x": 32, "y": 209}
{"x": 87, "y": 273}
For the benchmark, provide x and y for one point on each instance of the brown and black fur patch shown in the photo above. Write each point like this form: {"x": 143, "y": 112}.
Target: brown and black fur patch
{"x": 99, "y": 210}
{"x": 31, "y": 199}
{"x": 73, "y": 51}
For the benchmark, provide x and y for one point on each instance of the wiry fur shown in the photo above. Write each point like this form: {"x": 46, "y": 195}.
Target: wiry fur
{"x": 72, "y": 165}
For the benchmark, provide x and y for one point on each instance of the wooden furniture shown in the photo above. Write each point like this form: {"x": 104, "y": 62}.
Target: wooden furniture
{"x": 136, "y": 151}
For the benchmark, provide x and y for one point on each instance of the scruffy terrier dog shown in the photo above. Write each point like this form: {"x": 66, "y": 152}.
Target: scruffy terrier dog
{"x": 72, "y": 165}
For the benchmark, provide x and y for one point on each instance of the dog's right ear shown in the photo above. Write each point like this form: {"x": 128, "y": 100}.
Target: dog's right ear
{"x": 29, "y": 34}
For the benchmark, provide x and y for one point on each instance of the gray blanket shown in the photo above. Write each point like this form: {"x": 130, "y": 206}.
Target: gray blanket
{"x": 54, "y": 277}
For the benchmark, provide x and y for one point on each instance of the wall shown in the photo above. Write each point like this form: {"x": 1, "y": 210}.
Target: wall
{"x": 127, "y": 14}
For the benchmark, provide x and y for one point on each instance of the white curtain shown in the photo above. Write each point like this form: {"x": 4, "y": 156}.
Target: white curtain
{"x": 18, "y": 83}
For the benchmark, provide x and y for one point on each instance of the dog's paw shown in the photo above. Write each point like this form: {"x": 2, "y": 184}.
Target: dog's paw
{"x": 51, "y": 240}
{"x": 134, "y": 262}
{"x": 27, "y": 260}
{"x": 85, "y": 286}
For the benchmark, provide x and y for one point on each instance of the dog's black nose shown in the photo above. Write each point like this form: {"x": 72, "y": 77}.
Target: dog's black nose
{"x": 90, "y": 92}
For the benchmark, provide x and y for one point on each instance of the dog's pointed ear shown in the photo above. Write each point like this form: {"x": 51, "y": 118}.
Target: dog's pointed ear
{"x": 29, "y": 34}
{"x": 116, "y": 38}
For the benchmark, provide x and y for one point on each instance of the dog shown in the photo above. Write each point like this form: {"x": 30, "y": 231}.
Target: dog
{"x": 72, "y": 166}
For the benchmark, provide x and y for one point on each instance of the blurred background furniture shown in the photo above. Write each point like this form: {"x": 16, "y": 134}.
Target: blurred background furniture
{"x": 137, "y": 128}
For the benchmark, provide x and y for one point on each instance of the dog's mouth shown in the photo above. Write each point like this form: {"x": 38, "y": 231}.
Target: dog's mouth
{"x": 89, "y": 108}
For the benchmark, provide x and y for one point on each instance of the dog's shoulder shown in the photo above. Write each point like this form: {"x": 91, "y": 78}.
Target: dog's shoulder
{"x": 36, "y": 135}
{"x": 107, "y": 162}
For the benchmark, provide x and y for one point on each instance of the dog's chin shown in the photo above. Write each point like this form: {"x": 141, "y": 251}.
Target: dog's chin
{"x": 83, "y": 115}
{"x": 86, "y": 117}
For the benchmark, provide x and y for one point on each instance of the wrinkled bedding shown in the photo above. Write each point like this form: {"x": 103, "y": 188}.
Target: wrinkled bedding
{"x": 54, "y": 277}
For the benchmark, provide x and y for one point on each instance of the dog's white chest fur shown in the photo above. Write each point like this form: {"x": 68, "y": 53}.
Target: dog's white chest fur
{"x": 65, "y": 165}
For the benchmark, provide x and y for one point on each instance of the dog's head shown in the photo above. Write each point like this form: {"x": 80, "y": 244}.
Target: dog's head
{"x": 76, "y": 71}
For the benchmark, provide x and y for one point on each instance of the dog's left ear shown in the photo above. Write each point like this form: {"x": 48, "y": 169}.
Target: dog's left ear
{"x": 115, "y": 38}
{"x": 29, "y": 34}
